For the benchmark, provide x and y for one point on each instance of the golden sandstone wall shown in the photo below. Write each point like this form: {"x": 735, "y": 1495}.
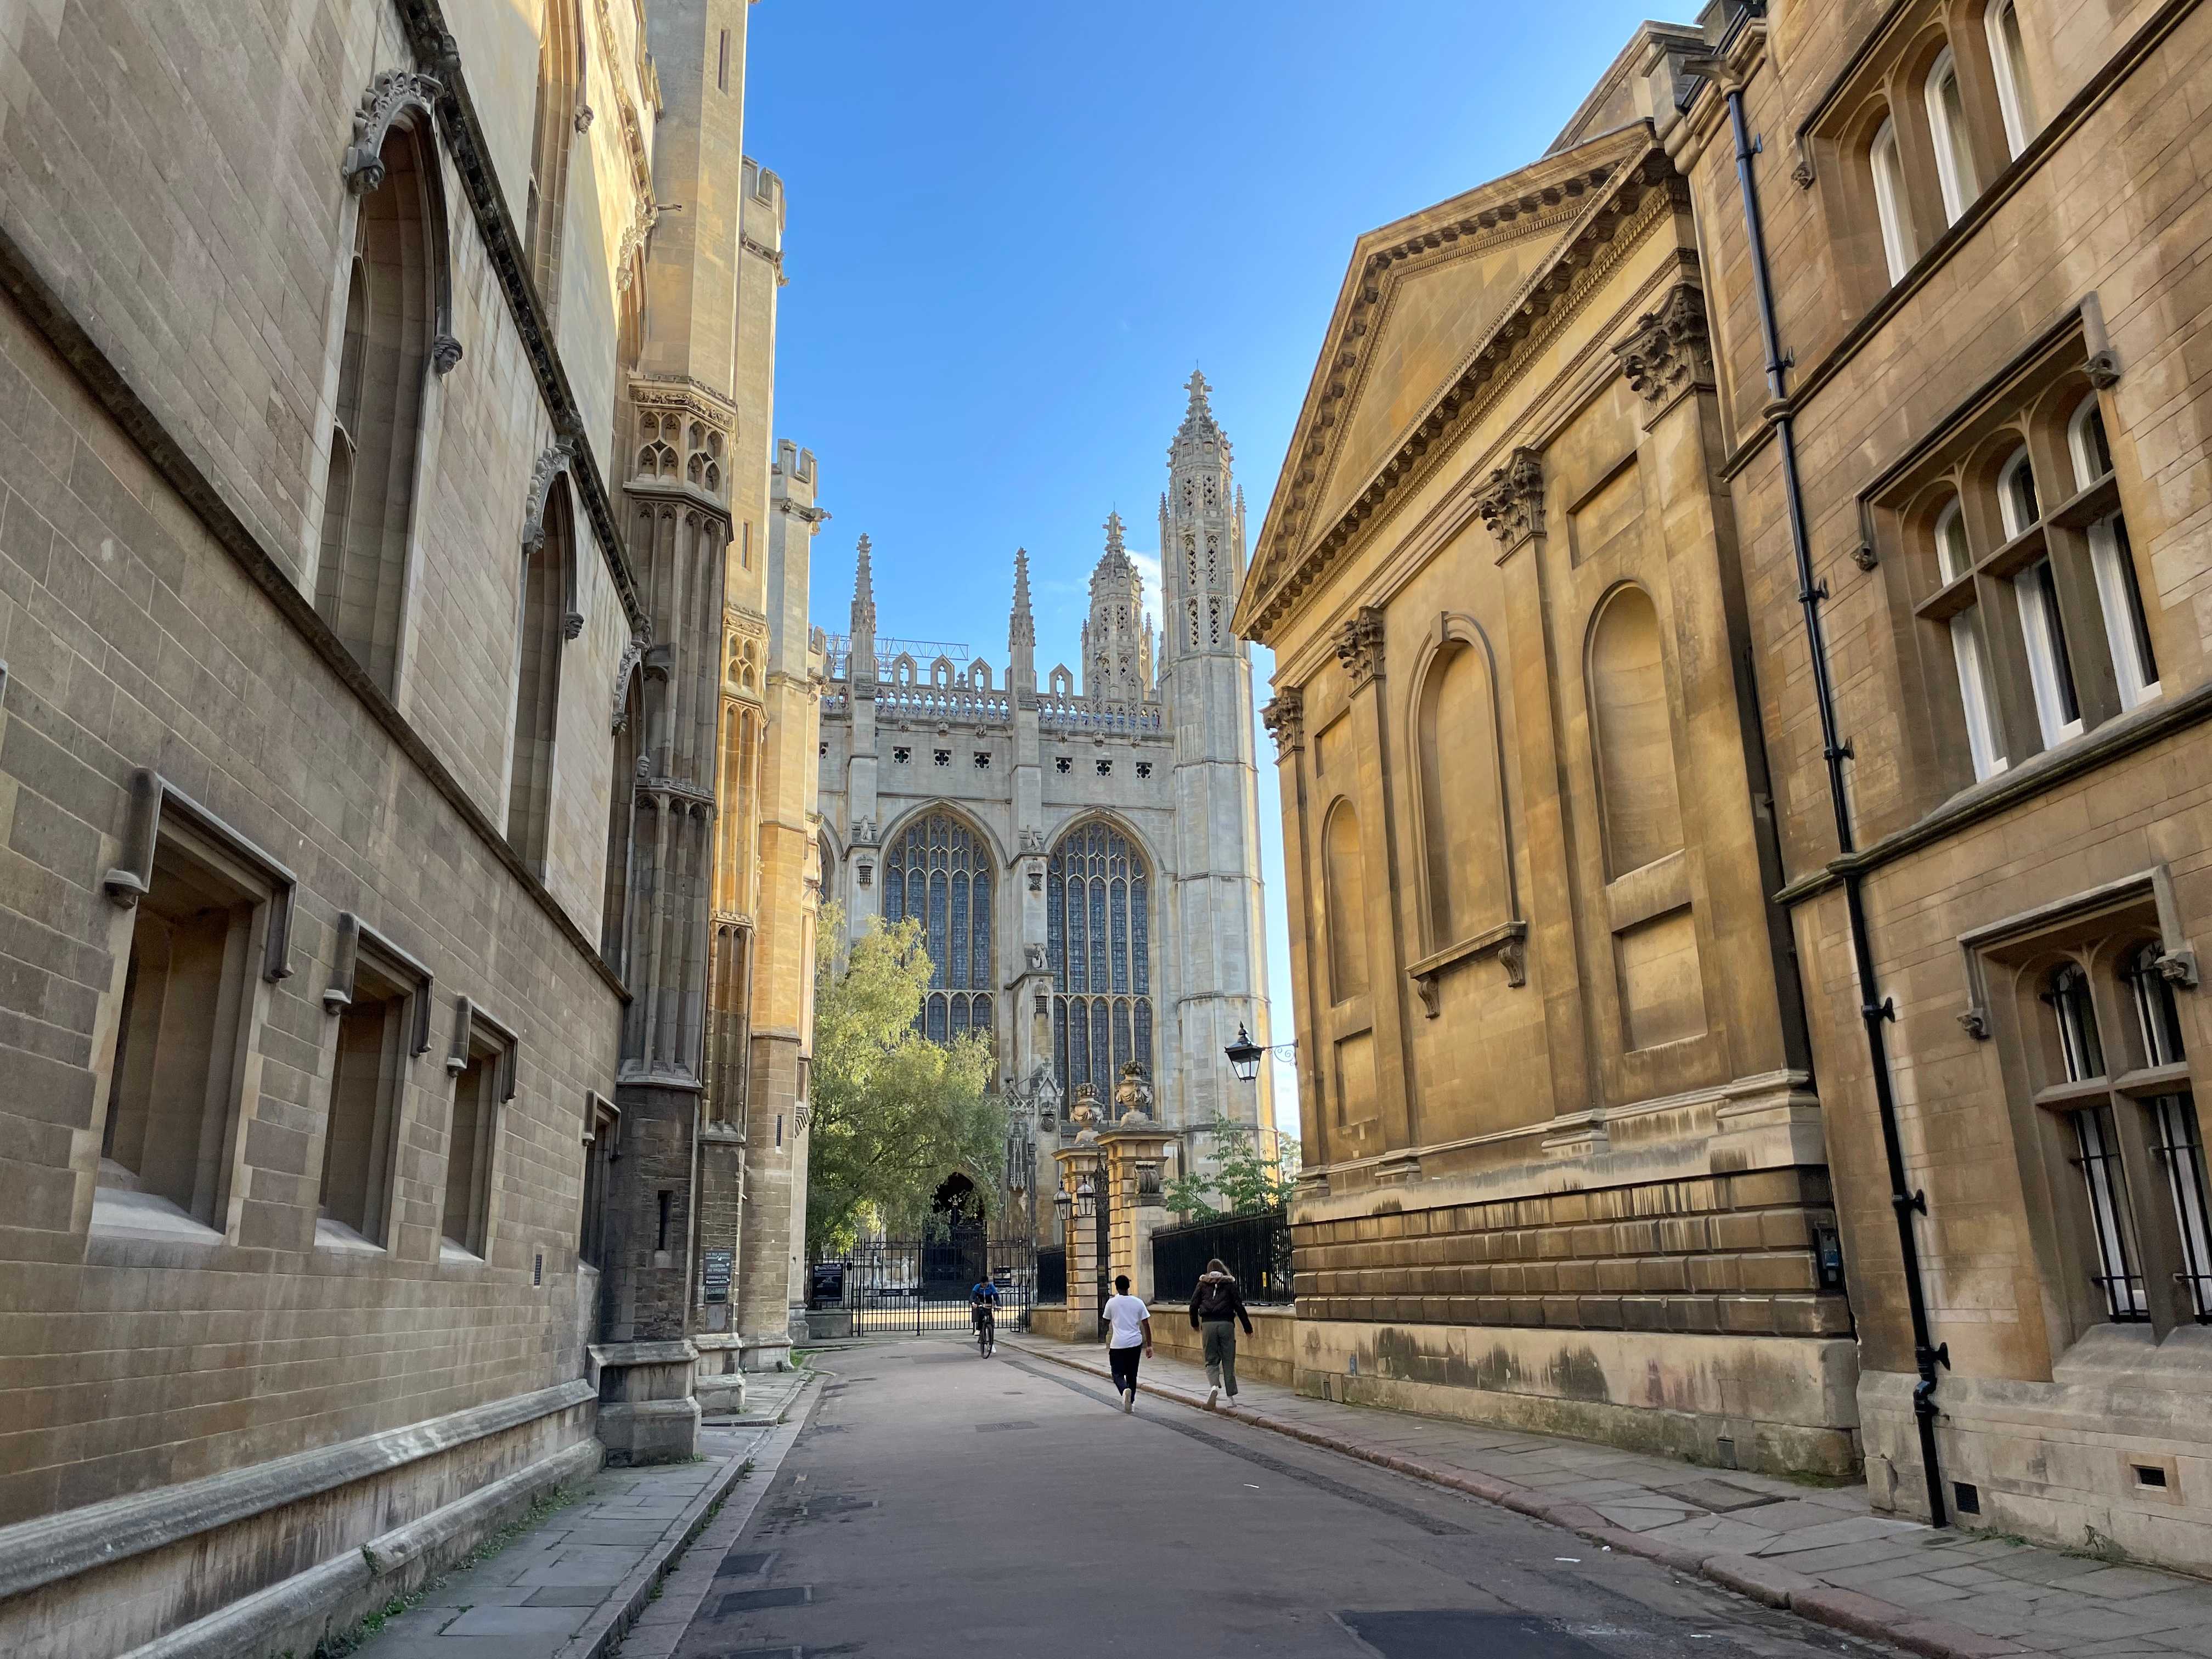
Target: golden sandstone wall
{"x": 1564, "y": 1154}
{"x": 2048, "y": 269}
{"x": 1567, "y": 1163}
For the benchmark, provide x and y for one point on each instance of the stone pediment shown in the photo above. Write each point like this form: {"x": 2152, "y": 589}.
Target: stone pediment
{"x": 1428, "y": 301}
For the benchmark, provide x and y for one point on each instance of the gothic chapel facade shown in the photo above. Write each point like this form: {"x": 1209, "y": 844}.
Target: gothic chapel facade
{"x": 1085, "y": 863}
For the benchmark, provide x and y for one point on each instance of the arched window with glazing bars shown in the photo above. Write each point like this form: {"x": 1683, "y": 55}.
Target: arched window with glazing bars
{"x": 939, "y": 871}
{"x": 1098, "y": 931}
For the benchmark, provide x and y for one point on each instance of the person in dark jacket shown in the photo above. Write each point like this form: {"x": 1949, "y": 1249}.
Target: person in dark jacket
{"x": 1216, "y": 1308}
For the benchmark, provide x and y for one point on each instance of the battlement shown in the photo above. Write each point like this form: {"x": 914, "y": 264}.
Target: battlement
{"x": 762, "y": 208}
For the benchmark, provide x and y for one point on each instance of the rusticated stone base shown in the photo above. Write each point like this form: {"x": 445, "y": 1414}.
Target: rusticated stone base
{"x": 1782, "y": 1405}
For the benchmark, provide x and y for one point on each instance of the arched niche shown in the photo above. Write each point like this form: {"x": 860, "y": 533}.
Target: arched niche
{"x": 1344, "y": 903}
{"x": 1632, "y": 732}
{"x": 1465, "y": 865}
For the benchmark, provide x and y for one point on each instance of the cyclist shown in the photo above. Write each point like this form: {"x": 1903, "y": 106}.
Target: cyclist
{"x": 982, "y": 1309}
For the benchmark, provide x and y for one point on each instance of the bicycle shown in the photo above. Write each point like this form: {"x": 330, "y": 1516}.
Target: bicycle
{"x": 985, "y": 1330}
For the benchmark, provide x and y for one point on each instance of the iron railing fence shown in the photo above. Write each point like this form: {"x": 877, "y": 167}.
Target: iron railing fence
{"x": 923, "y": 1284}
{"x": 1256, "y": 1246}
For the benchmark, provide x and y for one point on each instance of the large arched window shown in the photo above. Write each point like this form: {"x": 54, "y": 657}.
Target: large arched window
{"x": 391, "y": 301}
{"x": 939, "y": 871}
{"x": 1634, "y": 732}
{"x": 1462, "y": 830}
{"x": 2111, "y": 557}
{"x": 1098, "y": 931}
{"x": 1947, "y": 122}
{"x": 1954, "y": 559}
{"x": 1887, "y": 163}
{"x": 560, "y": 80}
{"x": 537, "y": 682}
{"x": 2009, "y": 57}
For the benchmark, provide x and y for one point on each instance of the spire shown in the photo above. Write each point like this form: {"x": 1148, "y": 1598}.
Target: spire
{"x": 1198, "y": 421}
{"x": 864, "y": 593}
{"x": 861, "y": 665}
{"x": 1114, "y": 547}
{"x": 1021, "y": 630}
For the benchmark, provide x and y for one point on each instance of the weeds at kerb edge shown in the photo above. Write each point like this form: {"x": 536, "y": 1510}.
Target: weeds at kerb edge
{"x": 362, "y": 1629}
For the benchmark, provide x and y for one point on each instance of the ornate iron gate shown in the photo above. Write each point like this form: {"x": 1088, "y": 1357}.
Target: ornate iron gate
{"x": 902, "y": 1286}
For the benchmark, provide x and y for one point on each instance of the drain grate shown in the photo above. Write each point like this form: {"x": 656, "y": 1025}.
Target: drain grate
{"x": 1449, "y": 1633}
{"x": 753, "y": 1564}
{"x": 1721, "y": 1497}
{"x": 752, "y": 1600}
{"x": 994, "y": 1428}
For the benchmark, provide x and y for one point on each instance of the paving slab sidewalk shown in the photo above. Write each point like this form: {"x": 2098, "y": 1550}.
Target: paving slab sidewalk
{"x": 1822, "y": 1553}
{"x": 570, "y": 1587}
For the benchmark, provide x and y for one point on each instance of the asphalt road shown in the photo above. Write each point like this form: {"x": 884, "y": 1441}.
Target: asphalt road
{"x": 939, "y": 1503}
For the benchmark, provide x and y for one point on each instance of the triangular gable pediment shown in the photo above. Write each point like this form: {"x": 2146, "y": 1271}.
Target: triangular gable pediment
{"x": 1422, "y": 298}
{"x": 1430, "y": 317}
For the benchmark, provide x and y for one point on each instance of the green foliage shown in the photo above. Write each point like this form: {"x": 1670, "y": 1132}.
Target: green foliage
{"x": 1251, "y": 1171}
{"x": 894, "y": 1113}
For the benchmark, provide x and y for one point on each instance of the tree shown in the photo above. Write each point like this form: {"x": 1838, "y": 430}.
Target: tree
{"x": 894, "y": 1113}
{"x": 1250, "y": 1172}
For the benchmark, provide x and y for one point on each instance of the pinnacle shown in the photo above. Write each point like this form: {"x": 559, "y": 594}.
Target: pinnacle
{"x": 1197, "y": 387}
{"x": 1114, "y": 532}
{"x": 864, "y": 587}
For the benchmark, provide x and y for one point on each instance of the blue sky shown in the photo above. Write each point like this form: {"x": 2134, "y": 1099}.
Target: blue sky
{"x": 1013, "y": 229}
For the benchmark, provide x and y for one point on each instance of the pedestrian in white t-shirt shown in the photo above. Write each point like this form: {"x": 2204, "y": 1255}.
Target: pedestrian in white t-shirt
{"x": 1129, "y": 1327}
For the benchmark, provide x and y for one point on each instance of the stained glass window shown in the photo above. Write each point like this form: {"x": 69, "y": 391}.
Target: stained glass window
{"x": 939, "y": 872}
{"x": 1098, "y": 935}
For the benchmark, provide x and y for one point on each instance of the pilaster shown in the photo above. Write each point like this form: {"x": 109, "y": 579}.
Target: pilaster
{"x": 1360, "y": 649}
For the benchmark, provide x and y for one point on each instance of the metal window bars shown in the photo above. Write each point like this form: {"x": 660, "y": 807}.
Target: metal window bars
{"x": 2180, "y": 1147}
{"x": 2098, "y": 1160}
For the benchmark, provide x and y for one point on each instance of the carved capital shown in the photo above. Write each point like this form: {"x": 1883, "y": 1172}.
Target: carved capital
{"x": 1511, "y": 500}
{"x": 389, "y": 95}
{"x": 1359, "y": 646}
{"x": 1286, "y": 720}
{"x": 1671, "y": 351}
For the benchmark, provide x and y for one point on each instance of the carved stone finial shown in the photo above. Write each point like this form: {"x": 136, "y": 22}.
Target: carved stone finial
{"x": 1133, "y": 1095}
{"x": 1286, "y": 720}
{"x": 1671, "y": 351}
{"x": 389, "y": 95}
{"x": 1511, "y": 500}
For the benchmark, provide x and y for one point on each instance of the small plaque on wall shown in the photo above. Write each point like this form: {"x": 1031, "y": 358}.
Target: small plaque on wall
{"x": 717, "y": 1269}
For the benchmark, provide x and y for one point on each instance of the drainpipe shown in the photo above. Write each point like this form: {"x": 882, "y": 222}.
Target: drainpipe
{"x": 1904, "y": 1200}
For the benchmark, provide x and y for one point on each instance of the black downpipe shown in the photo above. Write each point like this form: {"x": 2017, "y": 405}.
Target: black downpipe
{"x": 1873, "y": 1015}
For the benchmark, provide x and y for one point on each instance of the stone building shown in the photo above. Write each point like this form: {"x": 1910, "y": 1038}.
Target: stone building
{"x": 1829, "y": 637}
{"x": 385, "y": 489}
{"x": 1086, "y": 863}
{"x": 1971, "y": 368}
{"x": 1563, "y": 1160}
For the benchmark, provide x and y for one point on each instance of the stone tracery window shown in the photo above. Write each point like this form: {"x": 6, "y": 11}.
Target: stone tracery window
{"x": 391, "y": 298}
{"x": 560, "y": 76}
{"x": 939, "y": 871}
{"x": 1098, "y": 943}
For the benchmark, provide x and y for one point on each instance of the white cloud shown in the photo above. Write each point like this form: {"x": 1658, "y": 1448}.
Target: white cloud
{"x": 1148, "y": 568}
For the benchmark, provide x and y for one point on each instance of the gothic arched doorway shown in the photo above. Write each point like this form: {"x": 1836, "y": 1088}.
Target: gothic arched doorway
{"x": 956, "y": 1248}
